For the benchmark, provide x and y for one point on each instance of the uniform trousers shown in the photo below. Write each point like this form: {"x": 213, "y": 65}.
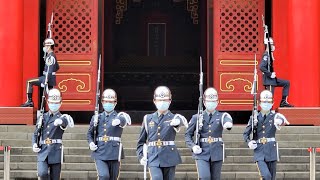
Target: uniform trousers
{"x": 208, "y": 170}
{"x": 267, "y": 170}
{"x": 44, "y": 168}
{"x": 108, "y": 169}
{"x": 162, "y": 173}
{"x": 280, "y": 83}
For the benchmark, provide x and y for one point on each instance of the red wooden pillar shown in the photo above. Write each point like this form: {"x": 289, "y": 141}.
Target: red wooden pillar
{"x": 280, "y": 36}
{"x": 11, "y": 52}
{"x": 303, "y": 51}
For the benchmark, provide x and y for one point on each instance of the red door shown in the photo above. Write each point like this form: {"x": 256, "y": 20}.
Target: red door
{"x": 238, "y": 36}
{"x": 75, "y": 31}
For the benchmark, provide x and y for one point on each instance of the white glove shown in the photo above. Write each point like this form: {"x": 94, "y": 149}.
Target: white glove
{"x": 227, "y": 125}
{"x": 69, "y": 119}
{"x": 93, "y": 147}
{"x": 143, "y": 161}
{"x": 278, "y": 122}
{"x": 57, "y": 122}
{"x": 175, "y": 122}
{"x": 252, "y": 144}
{"x": 115, "y": 122}
{"x": 35, "y": 148}
{"x": 196, "y": 149}
{"x": 273, "y": 75}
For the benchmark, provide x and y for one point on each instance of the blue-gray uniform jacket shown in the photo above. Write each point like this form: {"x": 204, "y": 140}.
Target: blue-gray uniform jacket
{"x": 159, "y": 130}
{"x": 265, "y": 129}
{"x": 267, "y": 69}
{"x": 50, "y": 133}
{"x": 109, "y": 149}
{"x": 212, "y": 129}
{"x": 52, "y": 69}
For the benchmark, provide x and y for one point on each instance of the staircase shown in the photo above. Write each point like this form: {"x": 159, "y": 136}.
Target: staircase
{"x": 293, "y": 143}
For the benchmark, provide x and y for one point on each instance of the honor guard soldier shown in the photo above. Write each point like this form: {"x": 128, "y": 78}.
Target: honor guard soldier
{"x": 263, "y": 143}
{"x": 208, "y": 152}
{"x": 104, "y": 137}
{"x": 270, "y": 80}
{"x": 158, "y": 133}
{"x": 49, "y": 72}
{"x": 47, "y": 138}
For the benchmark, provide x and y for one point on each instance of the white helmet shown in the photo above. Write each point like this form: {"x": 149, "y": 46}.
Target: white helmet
{"x": 48, "y": 42}
{"x": 109, "y": 95}
{"x": 54, "y": 95}
{"x": 162, "y": 93}
{"x": 210, "y": 94}
{"x": 266, "y": 96}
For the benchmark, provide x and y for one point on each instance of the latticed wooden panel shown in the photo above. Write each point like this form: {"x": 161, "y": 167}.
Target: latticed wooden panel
{"x": 72, "y": 26}
{"x": 238, "y": 36}
{"x": 239, "y": 24}
{"x": 75, "y": 31}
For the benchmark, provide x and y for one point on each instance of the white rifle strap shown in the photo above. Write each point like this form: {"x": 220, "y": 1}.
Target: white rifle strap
{"x": 120, "y": 152}
{"x": 223, "y": 152}
{"x": 145, "y": 123}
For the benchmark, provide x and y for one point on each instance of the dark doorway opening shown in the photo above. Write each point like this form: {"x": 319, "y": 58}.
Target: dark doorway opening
{"x": 152, "y": 43}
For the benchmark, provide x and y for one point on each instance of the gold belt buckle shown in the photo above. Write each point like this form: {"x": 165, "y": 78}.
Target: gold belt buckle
{"x": 48, "y": 141}
{"x": 210, "y": 140}
{"x": 263, "y": 140}
{"x": 159, "y": 142}
{"x": 105, "y": 138}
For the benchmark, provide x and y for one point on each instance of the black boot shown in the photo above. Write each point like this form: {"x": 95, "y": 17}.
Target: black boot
{"x": 284, "y": 103}
{"x": 29, "y": 102}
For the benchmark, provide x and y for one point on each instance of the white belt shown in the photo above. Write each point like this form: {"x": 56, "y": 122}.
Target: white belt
{"x": 161, "y": 143}
{"x": 51, "y": 141}
{"x": 45, "y": 73}
{"x": 266, "y": 140}
{"x": 211, "y": 140}
{"x": 108, "y": 138}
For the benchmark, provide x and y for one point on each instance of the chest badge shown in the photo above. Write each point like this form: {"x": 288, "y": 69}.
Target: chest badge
{"x": 151, "y": 124}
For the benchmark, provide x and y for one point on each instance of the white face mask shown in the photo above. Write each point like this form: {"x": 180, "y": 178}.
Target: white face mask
{"x": 54, "y": 107}
{"x": 162, "y": 105}
{"x": 45, "y": 49}
{"x": 266, "y": 106}
{"x": 211, "y": 105}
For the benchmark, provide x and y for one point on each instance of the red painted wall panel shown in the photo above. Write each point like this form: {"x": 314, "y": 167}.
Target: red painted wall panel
{"x": 304, "y": 56}
{"x": 31, "y": 46}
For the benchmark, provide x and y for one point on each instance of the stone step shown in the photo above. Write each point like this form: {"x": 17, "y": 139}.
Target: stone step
{"x": 133, "y": 159}
{"x": 239, "y": 167}
{"x": 182, "y": 151}
{"x": 127, "y": 175}
{"x": 135, "y": 129}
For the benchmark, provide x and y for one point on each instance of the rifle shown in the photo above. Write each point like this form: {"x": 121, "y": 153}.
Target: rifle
{"x": 254, "y": 117}
{"x": 48, "y": 63}
{"x": 49, "y": 34}
{"x": 268, "y": 45}
{"x": 96, "y": 109}
{"x": 200, "y": 106}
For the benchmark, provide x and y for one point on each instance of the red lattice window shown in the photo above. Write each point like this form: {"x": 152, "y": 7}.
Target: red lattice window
{"x": 72, "y": 26}
{"x": 239, "y": 23}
